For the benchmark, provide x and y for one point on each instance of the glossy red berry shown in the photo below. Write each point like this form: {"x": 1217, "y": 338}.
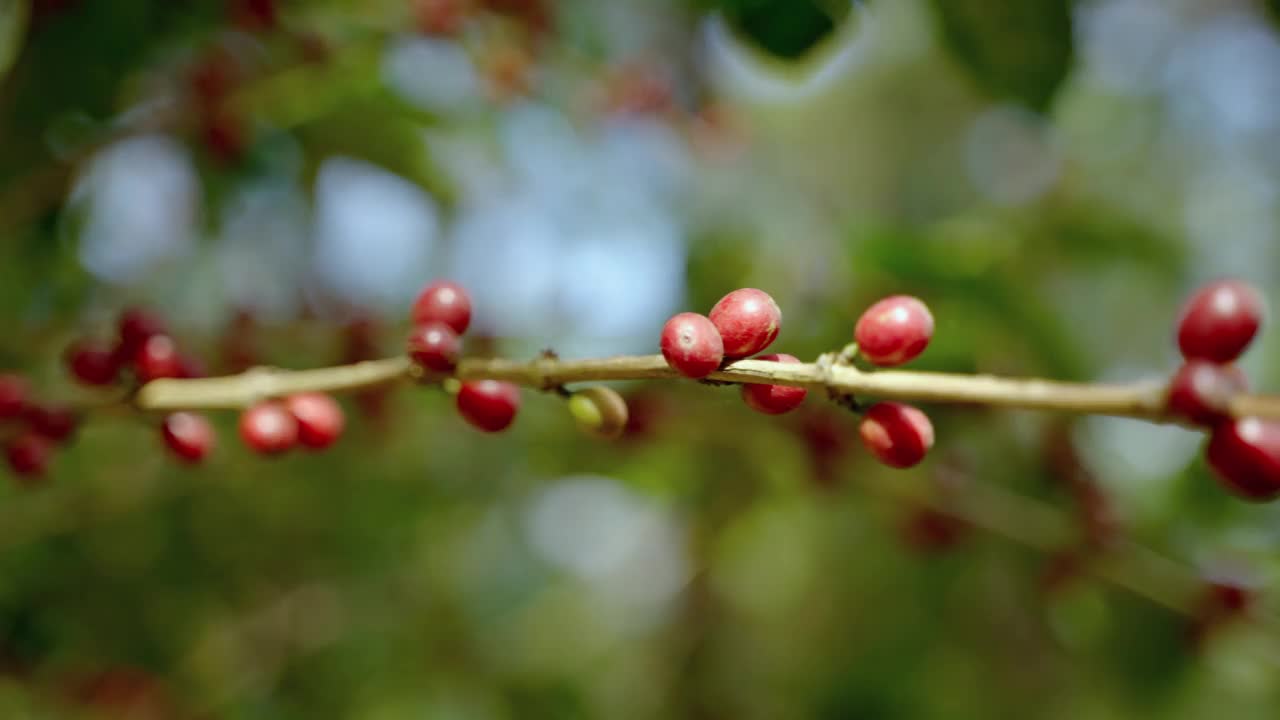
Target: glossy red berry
{"x": 446, "y": 302}
{"x": 894, "y": 331}
{"x": 189, "y": 436}
{"x": 1245, "y": 454}
{"x": 158, "y": 357}
{"x": 93, "y": 363}
{"x": 1220, "y": 320}
{"x": 898, "y": 435}
{"x": 14, "y": 392}
{"x": 774, "y": 399}
{"x": 1200, "y": 391}
{"x": 53, "y": 422}
{"x": 489, "y": 405}
{"x": 692, "y": 345}
{"x": 28, "y": 455}
{"x": 434, "y": 346}
{"x": 320, "y": 419}
{"x": 748, "y": 320}
{"x": 268, "y": 428}
{"x": 137, "y": 325}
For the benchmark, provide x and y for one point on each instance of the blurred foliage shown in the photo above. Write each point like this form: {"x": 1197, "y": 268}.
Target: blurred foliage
{"x": 710, "y": 563}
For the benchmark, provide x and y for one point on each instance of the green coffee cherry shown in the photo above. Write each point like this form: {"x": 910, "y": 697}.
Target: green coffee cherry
{"x": 599, "y": 411}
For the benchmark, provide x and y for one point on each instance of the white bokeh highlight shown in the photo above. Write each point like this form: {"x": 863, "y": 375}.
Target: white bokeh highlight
{"x": 374, "y": 233}
{"x": 141, "y": 200}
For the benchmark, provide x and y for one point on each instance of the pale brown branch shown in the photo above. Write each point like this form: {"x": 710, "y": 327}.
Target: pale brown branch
{"x": 1144, "y": 401}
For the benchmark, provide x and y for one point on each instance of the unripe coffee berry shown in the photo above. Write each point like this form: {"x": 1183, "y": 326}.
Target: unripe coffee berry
{"x": 93, "y": 363}
{"x": 599, "y": 411}
{"x": 489, "y": 405}
{"x": 692, "y": 345}
{"x": 898, "y": 435}
{"x": 774, "y": 399}
{"x": 14, "y": 392}
{"x": 434, "y": 346}
{"x": 1200, "y": 391}
{"x": 320, "y": 419}
{"x": 894, "y": 331}
{"x": 188, "y": 436}
{"x": 1245, "y": 455}
{"x": 28, "y": 455}
{"x": 1219, "y": 321}
{"x": 268, "y": 428}
{"x": 748, "y": 320}
{"x": 157, "y": 357}
{"x": 443, "y": 301}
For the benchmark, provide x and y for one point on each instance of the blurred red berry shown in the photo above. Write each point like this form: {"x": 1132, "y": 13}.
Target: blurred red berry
{"x": 929, "y": 530}
{"x": 14, "y": 393}
{"x": 320, "y": 419}
{"x": 748, "y": 320}
{"x": 692, "y": 345}
{"x": 1201, "y": 390}
{"x": 446, "y": 302}
{"x": 28, "y": 455}
{"x": 255, "y": 15}
{"x": 137, "y": 325}
{"x": 157, "y": 357}
{"x": 93, "y": 363}
{"x": 268, "y": 428}
{"x": 1220, "y": 321}
{"x": 189, "y": 436}
{"x": 434, "y": 346}
{"x": 54, "y": 422}
{"x": 489, "y": 405}
{"x": 1245, "y": 454}
{"x": 898, "y": 435}
{"x": 440, "y": 17}
{"x": 894, "y": 331}
{"x": 774, "y": 399}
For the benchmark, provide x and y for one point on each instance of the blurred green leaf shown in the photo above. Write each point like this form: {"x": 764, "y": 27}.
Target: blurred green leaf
{"x": 1015, "y": 49}
{"x": 13, "y": 26}
{"x": 784, "y": 28}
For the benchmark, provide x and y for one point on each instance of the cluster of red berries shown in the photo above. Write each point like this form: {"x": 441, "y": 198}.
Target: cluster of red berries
{"x": 891, "y": 332}
{"x": 441, "y": 314}
{"x": 1217, "y": 325}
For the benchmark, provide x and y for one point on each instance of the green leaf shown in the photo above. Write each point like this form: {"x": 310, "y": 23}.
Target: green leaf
{"x": 784, "y": 28}
{"x": 13, "y": 25}
{"x": 1014, "y": 49}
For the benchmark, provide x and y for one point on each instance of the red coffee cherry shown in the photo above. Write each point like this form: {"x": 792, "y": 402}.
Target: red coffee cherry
{"x": 158, "y": 357}
{"x": 28, "y": 455}
{"x": 53, "y": 422}
{"x": 320, "y": 419}
{"x": 137, "y": 325}
{"x": 692, "y": 345}
{"x": 1200, "y": 391}
{"x": 268, "y": 428}
{"x": 189, "y": 436}
{"x": 748, "y": 320}
{"x": 443, "y": 301}
{"x": 434, "y": 346}
{"x": 898, "y": 435}
{"x": 489, "y": 405}
{"x": 774, "y": 399}
{"x": 14, "y": 392}
{"x": 894, "y": 331}
{"x": 93, "y": 363}
{"x": 1219, "y": 321}
{"x": 1245, "y": 454}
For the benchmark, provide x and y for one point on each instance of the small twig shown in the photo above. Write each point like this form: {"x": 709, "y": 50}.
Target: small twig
{"x": 1145, "y": 401}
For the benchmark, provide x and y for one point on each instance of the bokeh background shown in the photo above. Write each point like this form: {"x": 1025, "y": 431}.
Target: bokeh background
{"x": 280, "y": 178}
